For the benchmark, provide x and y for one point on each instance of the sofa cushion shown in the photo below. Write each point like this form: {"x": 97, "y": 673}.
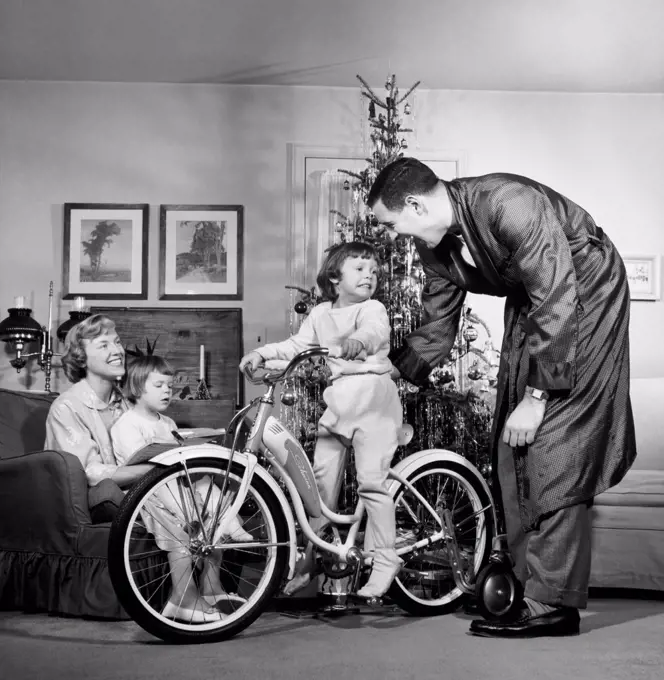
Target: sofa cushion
{"x": 628, "y": 518}
{"x": 643, "y": 488}
{"x": 647, "y": 395}
{"x": 23, "y": 421}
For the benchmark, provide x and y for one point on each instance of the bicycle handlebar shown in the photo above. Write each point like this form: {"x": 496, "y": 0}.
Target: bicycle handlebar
{"x": 272, "y": 377}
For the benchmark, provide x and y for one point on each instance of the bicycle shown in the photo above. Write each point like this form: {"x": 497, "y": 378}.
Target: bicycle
{"x": 445, "y": 519}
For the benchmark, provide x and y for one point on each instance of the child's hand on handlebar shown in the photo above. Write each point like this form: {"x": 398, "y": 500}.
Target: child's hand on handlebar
{"x": 250, "y": 362}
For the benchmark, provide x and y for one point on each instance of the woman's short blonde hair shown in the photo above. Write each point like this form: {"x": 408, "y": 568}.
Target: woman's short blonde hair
{"x": 138, "y": 370}
{"x": 74, "y": 358}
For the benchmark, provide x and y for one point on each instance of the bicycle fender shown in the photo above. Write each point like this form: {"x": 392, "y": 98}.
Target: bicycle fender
{"x": 409, "y": 464}
{"x": 183, "y": 453}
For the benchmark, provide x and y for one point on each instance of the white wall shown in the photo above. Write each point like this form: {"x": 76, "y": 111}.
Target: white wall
{"x": 155, "y": 143}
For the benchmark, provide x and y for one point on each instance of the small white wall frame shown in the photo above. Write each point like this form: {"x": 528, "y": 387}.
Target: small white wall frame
{"x": 644, "y": 276}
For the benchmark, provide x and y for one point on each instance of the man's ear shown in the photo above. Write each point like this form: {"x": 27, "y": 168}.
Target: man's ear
{"x": 415, "y": 203}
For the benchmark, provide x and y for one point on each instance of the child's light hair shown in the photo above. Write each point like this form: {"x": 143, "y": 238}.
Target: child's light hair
{"x": 138, "y": 370}
{"x": 74, "y": 360}
{"x": 334, "y": 260}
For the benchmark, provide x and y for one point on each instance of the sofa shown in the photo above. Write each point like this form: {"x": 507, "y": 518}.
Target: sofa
{"x": 628, "y": 519}
{"x": 54, "y": 529}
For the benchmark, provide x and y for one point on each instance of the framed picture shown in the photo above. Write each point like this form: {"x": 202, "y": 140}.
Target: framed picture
{"x": 643, "y": 275}
{"x": 105, "y": 254}
{"x": 201, "y": 252}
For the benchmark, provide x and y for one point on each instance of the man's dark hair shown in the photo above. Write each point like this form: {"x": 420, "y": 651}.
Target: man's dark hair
{"x": 336, "y": 256}
{"x": 399, "y": 179}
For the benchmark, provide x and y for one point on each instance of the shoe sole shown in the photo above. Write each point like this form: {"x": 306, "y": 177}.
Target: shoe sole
{"x": 525, "y": 634}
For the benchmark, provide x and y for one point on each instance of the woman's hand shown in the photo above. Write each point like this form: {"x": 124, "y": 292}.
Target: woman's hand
{"x": 127, "y": 475}
{"x": 522, "y": 425}
{"x": 252, "y": 360}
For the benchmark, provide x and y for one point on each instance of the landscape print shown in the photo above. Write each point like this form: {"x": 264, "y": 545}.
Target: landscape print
{"x": 201, "y": 252}
{"x": 106, "y": 251}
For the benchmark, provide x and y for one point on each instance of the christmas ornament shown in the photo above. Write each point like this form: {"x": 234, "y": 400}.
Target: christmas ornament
{"x": 470, "y": 334}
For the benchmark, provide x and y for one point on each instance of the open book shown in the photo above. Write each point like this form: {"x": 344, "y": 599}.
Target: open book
{"x": 192, "y": 437}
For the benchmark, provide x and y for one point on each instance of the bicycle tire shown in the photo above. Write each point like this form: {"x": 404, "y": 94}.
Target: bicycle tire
{"x": 140, "y": 596}
{"x": 425, "y": 569}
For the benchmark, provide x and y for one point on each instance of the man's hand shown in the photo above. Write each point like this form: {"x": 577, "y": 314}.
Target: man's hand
{"x": 521, "y": 427}
{"x": 395, "y": 373}
{"x": 253, "y": 360}
{"x": 351, "y": 349}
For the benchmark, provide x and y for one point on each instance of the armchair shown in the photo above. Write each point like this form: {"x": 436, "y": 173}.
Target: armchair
{"x": 53, "y": 528}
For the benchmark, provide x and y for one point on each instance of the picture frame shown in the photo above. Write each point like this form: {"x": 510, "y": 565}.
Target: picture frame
{"x": 105, "y": 251}
{"x": 643, "y": 276}
{"x": 201, "y": 252}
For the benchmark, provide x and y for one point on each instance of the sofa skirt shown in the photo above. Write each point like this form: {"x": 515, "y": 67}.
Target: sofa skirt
{"x": 70, "y": 585}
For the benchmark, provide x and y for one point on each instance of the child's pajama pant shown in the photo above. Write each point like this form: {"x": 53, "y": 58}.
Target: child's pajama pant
{"x": 363, "y": 411}
{"x": 164, "y": 517}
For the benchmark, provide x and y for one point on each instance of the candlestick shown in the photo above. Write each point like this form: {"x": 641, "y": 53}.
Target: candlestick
{"x": 50, "y": 308}
{"x": 201, "y": 370}
{"x": 19, "y": 302}
{"x": 79, "y": 304}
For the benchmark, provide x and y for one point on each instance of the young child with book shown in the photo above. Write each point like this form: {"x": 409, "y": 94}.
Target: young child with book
{"x": 149, "y": 386}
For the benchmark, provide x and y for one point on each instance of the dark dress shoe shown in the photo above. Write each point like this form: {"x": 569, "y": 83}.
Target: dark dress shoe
{"x": 471, "y": 607}
{"x": 561, "y": 621}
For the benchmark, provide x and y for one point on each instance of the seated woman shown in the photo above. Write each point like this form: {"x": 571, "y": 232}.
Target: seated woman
{"x": 80, "y": 419}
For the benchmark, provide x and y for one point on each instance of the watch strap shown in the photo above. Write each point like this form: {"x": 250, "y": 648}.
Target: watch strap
{"x": 535, "y": 393}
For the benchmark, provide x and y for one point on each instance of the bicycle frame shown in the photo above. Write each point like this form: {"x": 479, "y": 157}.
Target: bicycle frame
{"x": 255, "y": 447}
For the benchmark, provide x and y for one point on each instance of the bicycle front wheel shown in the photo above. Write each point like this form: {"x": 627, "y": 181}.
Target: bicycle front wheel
{"x": 425, "y": 586}
{"x": 175, "y": 573}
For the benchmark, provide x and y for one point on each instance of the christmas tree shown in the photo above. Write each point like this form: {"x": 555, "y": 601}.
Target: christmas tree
{"x": 454, "y": 412}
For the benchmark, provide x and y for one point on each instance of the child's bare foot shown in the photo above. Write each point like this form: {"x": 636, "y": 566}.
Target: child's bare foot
{"x": 297, "y": 583}
{"x": 192, "y": 614}
{"x": 213, "y": 599}
{"x": 233, "y": 530}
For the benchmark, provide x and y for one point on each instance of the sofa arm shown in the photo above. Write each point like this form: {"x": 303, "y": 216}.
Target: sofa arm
{"x": 43, "y": 502}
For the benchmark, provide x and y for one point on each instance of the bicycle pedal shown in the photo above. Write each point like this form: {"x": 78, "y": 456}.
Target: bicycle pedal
{"x": 369, "y": 601}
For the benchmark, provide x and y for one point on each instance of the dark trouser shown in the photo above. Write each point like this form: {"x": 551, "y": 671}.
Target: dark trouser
{"x": 553, "y": 561}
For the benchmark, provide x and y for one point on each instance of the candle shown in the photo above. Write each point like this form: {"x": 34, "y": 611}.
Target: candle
{"x": 19, "y": 302}
{"x": 201, "y": 369}
{"x": 79, "y": 303}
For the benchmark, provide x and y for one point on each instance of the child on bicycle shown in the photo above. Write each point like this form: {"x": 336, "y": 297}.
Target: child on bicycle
{"x": 363, "y": 406}
{"x": 149, "y": 386}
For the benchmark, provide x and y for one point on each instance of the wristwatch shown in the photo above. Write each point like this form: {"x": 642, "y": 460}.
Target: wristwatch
{"x": 540, "y": 395}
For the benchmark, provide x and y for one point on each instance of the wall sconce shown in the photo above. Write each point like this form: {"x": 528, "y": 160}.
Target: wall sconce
{"x": 20, "y": 329}
{"x": 77, "y": 314}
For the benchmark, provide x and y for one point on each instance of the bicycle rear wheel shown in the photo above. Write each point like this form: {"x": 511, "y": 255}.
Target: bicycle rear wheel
{"x": 425, "y": 585}
{"x": 161, "y": 554}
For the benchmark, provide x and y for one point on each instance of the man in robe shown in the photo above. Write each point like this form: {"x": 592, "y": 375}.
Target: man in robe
{"x": 563, "y": 430}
